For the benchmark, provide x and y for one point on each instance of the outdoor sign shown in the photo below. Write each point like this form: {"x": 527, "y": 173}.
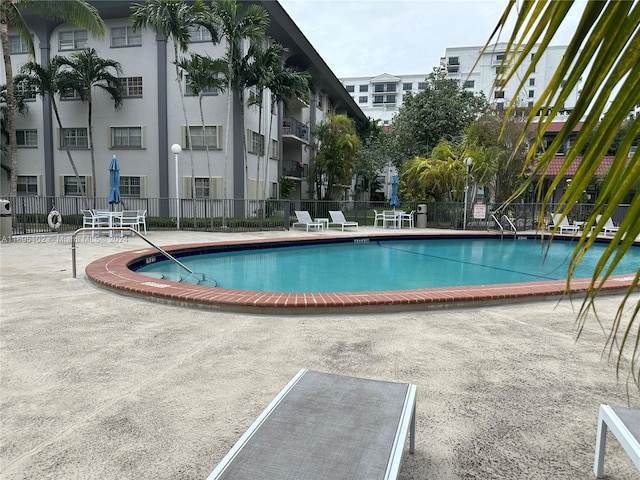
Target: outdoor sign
{"x": 479, "y": 211}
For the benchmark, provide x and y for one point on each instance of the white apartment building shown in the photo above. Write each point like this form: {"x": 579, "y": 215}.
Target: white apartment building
{"x": 485, "y": 78}
{"x": 380, "y": 97}
{"x": 151, "y": 119}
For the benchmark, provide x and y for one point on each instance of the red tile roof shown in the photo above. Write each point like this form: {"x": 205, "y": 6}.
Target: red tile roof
{"x": 556, "y": 163}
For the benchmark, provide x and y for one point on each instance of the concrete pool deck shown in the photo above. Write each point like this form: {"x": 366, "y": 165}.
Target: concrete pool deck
{"x": 98, "y": 385}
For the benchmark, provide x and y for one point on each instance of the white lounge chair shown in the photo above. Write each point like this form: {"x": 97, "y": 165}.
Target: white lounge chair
{"x": 624, "y": 423}
{"x": 378, "y": 216}
{"x": 608, "y": 228}
{"x": 142, "y": 220}
{"x": 304, "y": 219}
{"x": 327, "y": 426}
{"x": 407, "y": 218}
{"x": 562, "y": 224}
{"x": 337, "y": 218}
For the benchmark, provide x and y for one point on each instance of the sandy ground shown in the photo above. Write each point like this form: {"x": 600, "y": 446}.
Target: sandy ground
{"x": 98, "y": 385}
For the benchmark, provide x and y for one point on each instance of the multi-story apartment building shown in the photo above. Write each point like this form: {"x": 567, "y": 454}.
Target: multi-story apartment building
{"x": 485, "y": 77}
{"x": 151, "y": 119}
{"x": 380, "y": 97}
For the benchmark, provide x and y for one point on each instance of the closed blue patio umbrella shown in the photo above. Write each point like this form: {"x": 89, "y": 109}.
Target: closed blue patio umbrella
{"x": 394, "y": 201}
{"x": 114, "y": 181}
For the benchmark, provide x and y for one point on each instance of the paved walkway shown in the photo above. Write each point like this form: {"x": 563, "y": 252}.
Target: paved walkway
{"x": 98, "y": 385}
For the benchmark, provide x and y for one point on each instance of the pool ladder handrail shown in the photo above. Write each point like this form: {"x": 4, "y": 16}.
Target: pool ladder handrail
{"x": 499, "y": 223}
{"x": 124, "y": 229}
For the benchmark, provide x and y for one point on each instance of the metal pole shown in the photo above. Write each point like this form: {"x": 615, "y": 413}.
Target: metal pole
{"x": 466, "y": 188}
{"x": 177, "y": 195}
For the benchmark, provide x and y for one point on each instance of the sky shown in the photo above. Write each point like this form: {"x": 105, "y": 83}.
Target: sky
{"x": 400, "y": 37}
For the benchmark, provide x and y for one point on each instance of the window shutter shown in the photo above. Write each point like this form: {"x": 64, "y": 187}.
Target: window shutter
{"x": 88, "y": 185}
{"x": 143, "y": 136}
{"x": 61, "y": 184}
{"x": 218, "y": 136}
{"x": 215, "y": 189}
{"x": 186, "y": 188}
{"x": 39, "y": 185}
{"x": 143, "y": 186}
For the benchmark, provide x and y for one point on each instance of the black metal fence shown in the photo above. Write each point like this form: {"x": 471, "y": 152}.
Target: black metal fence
{"x": 29, "y": 214}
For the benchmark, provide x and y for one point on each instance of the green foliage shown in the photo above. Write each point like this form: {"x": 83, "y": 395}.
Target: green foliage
{"x": 287, "y": 187}
{"x": 336, "y": 148}
{"x": 443, "y": 110}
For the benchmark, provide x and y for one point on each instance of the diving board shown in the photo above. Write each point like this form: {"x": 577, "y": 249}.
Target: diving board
{"x": 323, "y": 426}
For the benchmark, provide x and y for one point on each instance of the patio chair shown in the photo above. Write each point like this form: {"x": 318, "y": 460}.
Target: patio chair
{"x": 391, "y": 219}
{"x": 562, "y": 224}
{"x": 142, "y": 220}
{"x": 304, "y": 219}
{"x": 608, "y": 228}
{"x": 378, "y": 216}
{"x": 624, "y": 423}
{"x": 407, "y": 218}
{"x": 337, "y": 218}
{"x": 327, "y": 426}
{"x": 92, "y": 220}
{"x": 129, "y": 218}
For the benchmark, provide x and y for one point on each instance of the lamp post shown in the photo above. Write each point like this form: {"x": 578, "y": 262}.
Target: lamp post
{"x": 176, "y": 149}
{"x": 468, "y": 163}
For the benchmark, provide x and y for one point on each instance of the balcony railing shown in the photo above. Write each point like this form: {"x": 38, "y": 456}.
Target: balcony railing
{"x": 292, "y": 168}
{"x": 291, "y": 126}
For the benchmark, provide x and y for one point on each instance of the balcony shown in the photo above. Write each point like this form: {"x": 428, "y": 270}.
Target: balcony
{"x": 292, "y": 128}
{"x": 294, "y": 169}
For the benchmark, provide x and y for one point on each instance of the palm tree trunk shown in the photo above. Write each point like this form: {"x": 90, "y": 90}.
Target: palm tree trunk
{"x": 73, "y": 164}
{"x": 206, "y": 147}
{"x": 93, "y": 159}
{"x": 11, "y": 110}
{"x": 226, "y": 151}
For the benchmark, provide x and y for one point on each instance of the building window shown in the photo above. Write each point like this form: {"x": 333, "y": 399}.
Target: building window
{"x": 127, "y": 137}
{"x": 501, "y": 69}
{"x": 500, "y": 106}
{"x": 198, "y": 33}
{"x": 530, "y": 104}
{"x": 499, "y": 57}
{"x": 71, "y": 186}
{"x": 532, "y": 82}
{"x": 453, "y": 61}
{"x": 531, "y": 93}
{"x": 27, "y": 185}
{"x": 200, "y": 139}
{"x": 364, "y": 88}
{"x": 188, "y": 91}
{"x": 391, "y": 87}
{"x": 363, "y": 99}
{"x": 130, "y": 186}
{"x": 74, "y": 138}
{"x": 125, "y": 37}
{"x": 390, "y": 99}
{"x": 500, "y": 83}
{"x": 69, "y": 94}
{"x": 72, "y": 40}
{"x": 25, "y": 91}
{"x": 17, "y": 45}
{"x": 498, "y": 94}
{"x": 275, "y": 150}
{"x": 27, "y": 138}
{"x": 378, "y": 87}
{"x": 422, "y": 85}
{"x": 407, "y": 86}
{"x": 378, "y": 99}
{"x": 469, "y": 83}
{"x": 202, "y": 187}
{"x": 131, "y": 87}
{"x": 350, "y": 88}
{"x": 256, "y": 143}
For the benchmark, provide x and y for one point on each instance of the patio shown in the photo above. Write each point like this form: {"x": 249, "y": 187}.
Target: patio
{"x": 97, "y": 385}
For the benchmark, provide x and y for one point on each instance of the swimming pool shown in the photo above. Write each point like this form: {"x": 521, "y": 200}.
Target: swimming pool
{"x": 378, "y": 265}
{"x": 118, "y": 273}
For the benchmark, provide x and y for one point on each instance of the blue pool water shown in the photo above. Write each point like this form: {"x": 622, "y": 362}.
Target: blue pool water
{"x": 390, "y": 265}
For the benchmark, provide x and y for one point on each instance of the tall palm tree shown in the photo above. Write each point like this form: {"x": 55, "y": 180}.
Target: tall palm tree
{"x": 77, "y": 12}
{"x": 82, "y": 72}
{"x": 203, "y": 72}
{"x": 235, "y": 28}
{"x": 285, "y": 84}
{"x": 173, "y": 18}
{"x": 608, "y": 37}
{"x": 267, "y": 73}
{"x": 22, "y": 108}
{"x": 44, "y": 79}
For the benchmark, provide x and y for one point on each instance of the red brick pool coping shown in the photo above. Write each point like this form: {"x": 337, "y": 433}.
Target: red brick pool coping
{"x": 112, "y": 272}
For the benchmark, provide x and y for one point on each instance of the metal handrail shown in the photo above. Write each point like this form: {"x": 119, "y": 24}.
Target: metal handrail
{"x": 499, "y": 223}
{"x": 510, "y": 223}
{"x": 121, "y": 229}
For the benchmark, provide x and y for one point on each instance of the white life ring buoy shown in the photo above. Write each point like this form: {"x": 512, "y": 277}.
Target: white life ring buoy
{"x": 54, "y": 219}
